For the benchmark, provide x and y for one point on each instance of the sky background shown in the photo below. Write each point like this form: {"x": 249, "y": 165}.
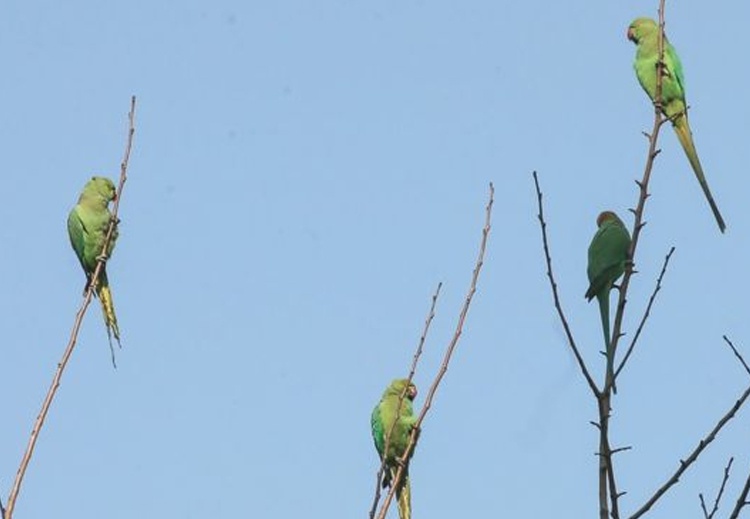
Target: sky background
{"x": 304, "y": 173}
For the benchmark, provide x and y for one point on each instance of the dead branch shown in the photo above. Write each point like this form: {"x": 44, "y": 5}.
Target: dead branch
{"x": 685, "y": 464}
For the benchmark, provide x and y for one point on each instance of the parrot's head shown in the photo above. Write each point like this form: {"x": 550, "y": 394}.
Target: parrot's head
{"x": 607, "y": 216}
{"x": 642, "y": 28}
{"x": 398, "y": 386}
{"x": 103, "y": 187}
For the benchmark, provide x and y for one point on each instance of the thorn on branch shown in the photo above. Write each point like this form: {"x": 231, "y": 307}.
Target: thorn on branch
{"x": 621, "y": 449}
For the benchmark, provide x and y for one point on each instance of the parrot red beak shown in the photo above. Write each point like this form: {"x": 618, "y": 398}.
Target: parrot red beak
{"x": 631, "y": 35}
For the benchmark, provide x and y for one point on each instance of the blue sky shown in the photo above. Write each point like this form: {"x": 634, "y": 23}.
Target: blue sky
{"x": 304, "y": 174}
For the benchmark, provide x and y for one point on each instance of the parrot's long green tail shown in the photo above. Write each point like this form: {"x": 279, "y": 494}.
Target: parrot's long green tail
{"x": 404, "y": 498}
{"x": 685, "y": 136}
{"x": 108, "y": 311}
{"x": 603, "y": 298}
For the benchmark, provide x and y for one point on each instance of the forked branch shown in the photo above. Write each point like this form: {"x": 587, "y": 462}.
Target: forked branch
{"x": 412, "y": 371}
{"x": 446, "y": 358}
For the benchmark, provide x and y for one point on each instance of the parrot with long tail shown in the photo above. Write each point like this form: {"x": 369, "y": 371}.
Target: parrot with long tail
{"x": 88, "y": 223}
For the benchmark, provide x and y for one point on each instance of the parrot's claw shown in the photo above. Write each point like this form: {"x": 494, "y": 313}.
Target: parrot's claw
{"x": 102, "y": 257}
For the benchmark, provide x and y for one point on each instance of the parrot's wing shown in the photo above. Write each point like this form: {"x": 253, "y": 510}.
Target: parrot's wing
{"x": 378, "y": 432}
{"x": 674, "y": 65}
{"x": 77, "y": 234}
{"x": 607, "y": 253}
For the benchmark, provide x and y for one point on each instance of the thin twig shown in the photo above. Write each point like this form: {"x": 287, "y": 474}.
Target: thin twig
{"x": 737, "y": 354}
{"x": 555, "y": 295}
{"x": 76, "y": 326}
{"x": 724, "y": 479}
{"x": 741, "y": 500}
{"x": 446, "y": 359}
{"x": 412, "y": 371}
{"x": 651, "y": 300}
{"x": 685, "y": 464}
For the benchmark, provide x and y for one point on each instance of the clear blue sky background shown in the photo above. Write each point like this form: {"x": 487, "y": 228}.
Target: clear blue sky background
{"x": 304, "y": 173}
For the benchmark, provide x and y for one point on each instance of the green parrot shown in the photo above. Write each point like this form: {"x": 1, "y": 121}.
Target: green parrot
{"x": 88, "y": 222}
{"x": 383, "y": 417}
{"x": 608, "y": 254}
{"x": 644, "y": 32}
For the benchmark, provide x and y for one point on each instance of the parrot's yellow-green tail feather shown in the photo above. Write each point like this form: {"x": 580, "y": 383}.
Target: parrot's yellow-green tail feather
{"x": 404, "y": 499}
{"x": 110, "y": 319}
{"x": 685, "y": 136}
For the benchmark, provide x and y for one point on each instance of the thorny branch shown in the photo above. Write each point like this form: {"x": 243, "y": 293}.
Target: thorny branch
{"x": 39, "y": 422}
{"x": 446, "y": 359}
{"x": 415, "y": 360}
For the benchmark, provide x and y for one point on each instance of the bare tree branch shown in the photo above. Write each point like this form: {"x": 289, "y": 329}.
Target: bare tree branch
{"x": 742, "y": 498}
{"x": 724, "y": 479}
{"x": 555, "y": 295}
{"x": 446, "y": 359}
{"x": 685, "y": 464}
{"x": 76, "y": 324}
{"x": 651, "y": 300}
{"x": 412, "y": 371}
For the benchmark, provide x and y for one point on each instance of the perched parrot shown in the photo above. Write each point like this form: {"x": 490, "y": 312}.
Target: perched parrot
{"x": 608, "y": 254}
{"x": 644, "y": 32}
{"x": 88, "y": 222}
{"x": 383, "y": 417}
